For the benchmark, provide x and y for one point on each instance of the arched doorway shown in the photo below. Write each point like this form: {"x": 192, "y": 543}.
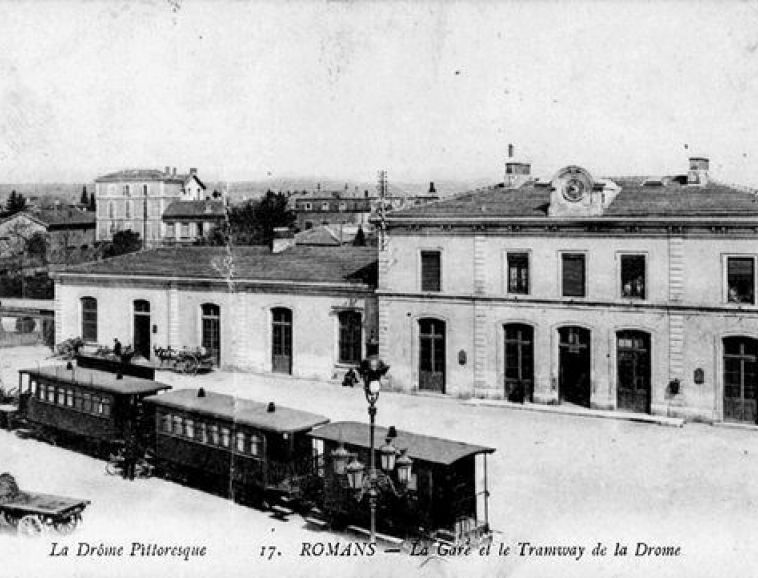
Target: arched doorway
{"x": 633, "y": 365}
{"x": 142, "y": 328}
{"x": 574, "y": 365}
{"x": 519, "y": 362}
{"x": 740, "y": 377}
{"x": 210, "y": 337}
{"x": 431, "y": 357}
{"x": 281, "y": 335}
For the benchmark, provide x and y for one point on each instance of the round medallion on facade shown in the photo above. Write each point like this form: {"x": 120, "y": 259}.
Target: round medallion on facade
{"x": 573, "y": 182}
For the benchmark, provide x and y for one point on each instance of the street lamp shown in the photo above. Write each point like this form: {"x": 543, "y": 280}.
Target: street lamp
{"x": 372, "y": 370}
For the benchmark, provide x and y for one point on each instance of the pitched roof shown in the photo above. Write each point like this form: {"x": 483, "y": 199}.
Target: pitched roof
{"x": 344, "y": 265}
{"x": 670, "y": 199}
{"x": 420, "y": 447}
{"x": 141, "y": 175}
{"x": 326, "y": 236}
{"x": 66, "y": 217}
{"x": 96, "y": 379}
{"x": 240, "y": 411}
{"x": 211, "y": 209}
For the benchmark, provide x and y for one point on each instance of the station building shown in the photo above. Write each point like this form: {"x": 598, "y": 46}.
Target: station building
{"x": 632, "y": 294}
{"x": 305, "y": 311}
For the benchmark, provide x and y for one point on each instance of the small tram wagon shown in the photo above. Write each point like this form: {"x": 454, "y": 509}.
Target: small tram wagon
{"x": 86, "y": 406}
{"x": 31, "y": 514}
{"x": 446, "y": 497}
{"x": 252, "y": 452}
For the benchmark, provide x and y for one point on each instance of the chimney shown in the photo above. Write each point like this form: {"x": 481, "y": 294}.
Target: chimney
{"x": 174, "y": 171}
{"x": 432, "y": 190}
{"x": 168, "y": 170}
{"x": 193, "y": 171}
{"x": 516, "y": 172}
{"x": 698, "y": 173}
{"x": 283, "y": 239}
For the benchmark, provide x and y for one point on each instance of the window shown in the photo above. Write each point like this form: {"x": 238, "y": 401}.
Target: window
{"x": 70, "y": 397}
{"x": 87, "y": 402}
{"x": 307, "y": 206}
{"x": 343, "y": 206}
{"x": 185, "y": 230}
{"x": 127, "y": 190}
{"x": 740, "y": 279}
{"x": 111, "y": 210}
{"x": 166, "y": 422}
{"x": 573, "y": 275}
{"x": 201, "y": 433}
{"x": 633, "y": 276}
{"x": 213, "y": 434}
{"x": 61, "y": 396}
{"x": 51, "y": 393}
{"x": 225, "y": 437}
{"x": 430, "y": 271}
{"x": 350, "y": 337}
{"x": 324, "y": 206}
{"x": 518, "y": 273}
{"x": 240, "y": 438}
{"x": 89, "y": 318}
{"x": 178, "y": 425}
{"x": 128, "y": 209}
{"x": 145, "y": 190}
{"x": 189, "y": 428}
{"x": 256, "y": 445}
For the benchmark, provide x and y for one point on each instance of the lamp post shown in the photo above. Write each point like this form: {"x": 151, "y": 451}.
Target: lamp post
{"x": 372, "y": 370}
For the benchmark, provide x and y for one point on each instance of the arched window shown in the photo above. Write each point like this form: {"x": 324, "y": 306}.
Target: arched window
{"x": 89, "y": 318}
{"x": 211, "y": 329}
{"x": 350, "y": 337}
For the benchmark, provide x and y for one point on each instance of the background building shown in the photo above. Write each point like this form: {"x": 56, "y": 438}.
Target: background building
{"x": 635, "y": 294}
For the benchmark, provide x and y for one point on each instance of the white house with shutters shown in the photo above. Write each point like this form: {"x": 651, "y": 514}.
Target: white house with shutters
{"x": 634, "y": 294}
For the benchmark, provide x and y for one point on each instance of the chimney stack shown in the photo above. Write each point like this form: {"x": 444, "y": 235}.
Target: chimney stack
{"x": 432, "y": 190}
{"x": 168, "y": 170}
{"x": 516, "y": 172}
{"x": 698, "y": 172}
{"x": 174, "y": 171}
{"x": 193, "y": 171}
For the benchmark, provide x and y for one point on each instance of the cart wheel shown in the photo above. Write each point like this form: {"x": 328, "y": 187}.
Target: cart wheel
{"x": 190, "y": 364}
{"x": 30, "y": 526}
{"x": 67, "y": 526}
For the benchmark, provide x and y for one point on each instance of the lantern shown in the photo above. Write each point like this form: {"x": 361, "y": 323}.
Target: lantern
{"x": 340, "y": 456}
{"x": 389, "y": 453}
{"x": 404, "y": 464}
{"x": 355, "y": 474}
{"x": 374, "y": 387}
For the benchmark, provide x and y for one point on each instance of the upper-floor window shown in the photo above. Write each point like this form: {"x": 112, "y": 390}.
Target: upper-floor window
{"x": 633, "y": 276}
{"x": 145, "y": 190}
{"x": 111, "y": 210}
{"x": 740, "y": 279}
{"x": 518, "y": 273}
{"x": 431, "y": 271}
{"x": 324, "y": 206}
{"x": 573, "y": 275}
{"x": 307, "y": 206}
{"x": 343, "y": 206}
{"x": 128, "y": 209}
{"x": 127, "y": 190}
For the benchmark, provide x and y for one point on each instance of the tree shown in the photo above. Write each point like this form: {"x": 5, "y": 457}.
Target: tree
{"x": 253, "y": 223}
{"x": 84, "y": 200}
{"x": 15, "y": 203}
{"x": 92, "y": 205}
{"x": 36, "y": 247}
{"x": 360, "y": 238}
{"x": 123, "y": 242}
{"x": 216, "y": 237}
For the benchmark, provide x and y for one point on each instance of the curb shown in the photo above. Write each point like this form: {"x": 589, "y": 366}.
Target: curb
{"x": 580, "y": 412}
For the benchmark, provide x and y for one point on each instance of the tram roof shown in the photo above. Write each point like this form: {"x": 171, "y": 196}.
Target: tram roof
{"x": 96, "y": 379}
{"x": 420, "y": 447}
{"x": 239, "y": 410}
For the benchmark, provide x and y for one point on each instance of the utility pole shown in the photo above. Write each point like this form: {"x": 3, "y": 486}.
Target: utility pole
{"x": 382, "y": 186}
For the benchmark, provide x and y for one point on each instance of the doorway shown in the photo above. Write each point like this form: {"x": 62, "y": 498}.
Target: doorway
{"x": 740, "y": 376}
{"x": 281, "y": 333}
{"x": 633, "y": 367}
{"x": 210, "y": 338}
{"x": 574, "y": 365}
{"x": 431, "y": 374}
{"x": 142, "y": 328}
{"x": 519, "y": 362}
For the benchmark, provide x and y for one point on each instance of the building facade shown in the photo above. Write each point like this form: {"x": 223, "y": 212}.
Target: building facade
{"x": 188, "y": 221}
{"x": 303, "y": 311}
{"x": 629, "y": 294}
{"x": 136, "y": 199}
{"x": 65, "y": 229}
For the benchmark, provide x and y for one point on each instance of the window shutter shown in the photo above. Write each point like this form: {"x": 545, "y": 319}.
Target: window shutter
{"x": 573, "y": 275}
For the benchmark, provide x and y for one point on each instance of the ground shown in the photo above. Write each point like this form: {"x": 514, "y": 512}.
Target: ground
{"x": 555, "y": 480}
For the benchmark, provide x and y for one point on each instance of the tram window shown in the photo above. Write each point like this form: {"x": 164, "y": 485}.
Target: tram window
{"x": 167, "y": 422}
{"x": 240, "y": 437}
{"x": 70, "y": 397}
{"x": 87, "y": 405}
{"x": 255, "y": 445}
{"x": 41, "y": 391}
{"x": 225, "y": 437}
{"x": 51, "y": 393}
{"x": 77, "y": 399}
{"x": 178, "y": 427}
{"x": 61, "y": 396}
{"x": 201, "y": 434}
{"x": 189, "y": 428}
{"x": 105, "y": 406}
{"x": 214, "y": 434}
{"x": 96, "y": 405}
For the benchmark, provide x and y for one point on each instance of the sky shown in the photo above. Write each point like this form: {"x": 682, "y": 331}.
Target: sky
{"x": 342, "y": 89}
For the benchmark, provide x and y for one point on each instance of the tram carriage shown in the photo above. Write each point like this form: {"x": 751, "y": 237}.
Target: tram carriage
{"x": 96, "y": 407}
{"x": 252, "y": 452}
{"x": 446, "y": 497}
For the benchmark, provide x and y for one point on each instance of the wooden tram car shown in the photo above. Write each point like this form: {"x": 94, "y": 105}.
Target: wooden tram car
{"x": 442, "y": 500}
{"x": 252, "y": 452}
{"x": 88, "y": 407}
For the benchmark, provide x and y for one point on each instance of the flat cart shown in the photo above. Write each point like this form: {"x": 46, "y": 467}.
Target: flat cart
{"x": 32, "y": 514}
{"x": 186, "y": 359}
